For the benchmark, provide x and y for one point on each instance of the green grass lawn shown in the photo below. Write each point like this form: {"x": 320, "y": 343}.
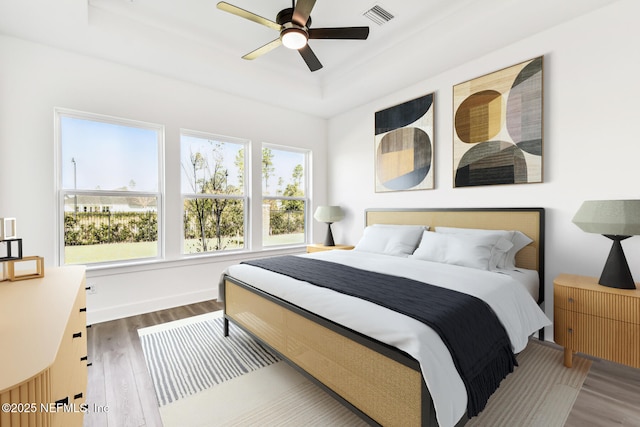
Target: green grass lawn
{"x": 87, "y": 254}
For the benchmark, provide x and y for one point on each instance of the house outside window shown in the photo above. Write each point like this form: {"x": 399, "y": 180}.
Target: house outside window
{"x": 110, "y": 185}
{"x": 285, "y": 195}
{"x": 213, "y": 185}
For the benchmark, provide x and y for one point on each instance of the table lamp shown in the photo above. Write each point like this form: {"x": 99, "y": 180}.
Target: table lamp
{"x": 329, "y": 214}
{"x": 616, "y": 220}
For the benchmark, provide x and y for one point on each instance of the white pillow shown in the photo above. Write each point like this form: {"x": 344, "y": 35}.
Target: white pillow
{"x": 502, "y": 258}
{"x": 520, "y": 240}
{"x": 467, "y": 250}
{"x": 390, "y": 239}
{"x": 432, "y": 247}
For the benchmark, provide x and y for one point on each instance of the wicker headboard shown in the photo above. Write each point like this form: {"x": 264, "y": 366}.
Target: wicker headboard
{"x": 530, "y": 221}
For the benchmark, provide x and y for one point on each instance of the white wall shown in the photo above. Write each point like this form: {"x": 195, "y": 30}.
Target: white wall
{"x": 34, "y": 79}
{"x": 591, "y": 144}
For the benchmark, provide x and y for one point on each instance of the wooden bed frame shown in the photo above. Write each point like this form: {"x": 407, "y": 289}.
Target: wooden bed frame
{"x": 380, "y": 383}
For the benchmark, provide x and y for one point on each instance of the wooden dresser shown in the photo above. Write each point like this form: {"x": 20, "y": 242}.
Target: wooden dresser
{"x": 596, "y": 320}
{"x": 43, "y": 361}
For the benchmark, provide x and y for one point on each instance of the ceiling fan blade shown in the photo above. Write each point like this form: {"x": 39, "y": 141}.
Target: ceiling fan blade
{"x": 345, "y": 33}
{"x": 302, "y": 11}
{"x": 248, "y": 15}
{"x": 310, "y": 58}
{"x": 264, "y": 49}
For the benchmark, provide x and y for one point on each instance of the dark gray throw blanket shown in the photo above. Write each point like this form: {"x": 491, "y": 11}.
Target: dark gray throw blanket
{"x": 478, "y": 342}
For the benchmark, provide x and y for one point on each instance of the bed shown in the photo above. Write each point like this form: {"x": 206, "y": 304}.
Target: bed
{"x": 377, "y": 364}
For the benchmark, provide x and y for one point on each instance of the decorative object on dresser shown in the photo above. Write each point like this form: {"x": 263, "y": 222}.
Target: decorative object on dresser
{"x": 43, "y": 365}
{"x": 497, "y": 137}
{"x": 616, "y": 220}
{"x": 11, "y": 249}
{"x": 596, "y": 320}
{"x": 329, "y": 214}
{"x": 404, "y": 151}
{"x": 11, "y": 254}
{"x": 7, "y": 228}
{"x": 317, "y": 247}
{"x": 10, "y": 273}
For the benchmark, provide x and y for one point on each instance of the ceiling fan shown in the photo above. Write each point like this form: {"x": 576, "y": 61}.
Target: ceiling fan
{"x": 293, "y": 24}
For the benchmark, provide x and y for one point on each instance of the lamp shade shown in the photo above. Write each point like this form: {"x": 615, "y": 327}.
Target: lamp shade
{"x": 329, "y": 214}
{"x": 617, "y": 220}
{"x": 609, "y": 217}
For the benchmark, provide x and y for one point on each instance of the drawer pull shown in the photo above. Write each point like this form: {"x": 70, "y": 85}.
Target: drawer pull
{"x": 83, "y": 358}
{"x": 77, "y": 335}
{"x": 571, "y": 300}
{"x": 77, "y": 396}
{"x": 61, "y": 402}
{"x": 570, "y": 330}
{"x": 83, "y": 310}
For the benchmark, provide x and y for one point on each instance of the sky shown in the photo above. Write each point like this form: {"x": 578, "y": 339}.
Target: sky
{"x": 97, "y": 155}
{"x": 108, "y": 156}
{"x": 284, "y": 161}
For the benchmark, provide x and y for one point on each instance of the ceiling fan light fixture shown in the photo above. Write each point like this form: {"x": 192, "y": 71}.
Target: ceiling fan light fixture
{"x": 294, "y": 38}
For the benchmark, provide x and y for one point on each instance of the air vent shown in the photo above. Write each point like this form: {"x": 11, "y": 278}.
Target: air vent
{"x": 378, "y": 15}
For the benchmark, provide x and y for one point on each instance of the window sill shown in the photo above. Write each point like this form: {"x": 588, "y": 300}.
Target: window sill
{"x": 158, "y": 264}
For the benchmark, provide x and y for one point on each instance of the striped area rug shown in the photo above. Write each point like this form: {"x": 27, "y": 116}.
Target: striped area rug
{"x": 188, "y": 356}
{"x": 203, "y": 380}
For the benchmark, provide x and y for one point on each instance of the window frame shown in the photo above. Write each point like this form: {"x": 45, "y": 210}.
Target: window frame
{"x": 246, "y": 197}
{"x": 63, "y": 192}
{"x": 307, "y": 199}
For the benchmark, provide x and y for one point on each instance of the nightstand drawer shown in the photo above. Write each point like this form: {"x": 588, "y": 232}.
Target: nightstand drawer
{"x": 596, "y": 320}
{"x": 605, "y": 338}
{"x": 598, "y": 303}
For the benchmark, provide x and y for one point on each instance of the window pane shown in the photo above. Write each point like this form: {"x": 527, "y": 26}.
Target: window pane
{"x": 109, "y": 228}
{"x": 283, "y": 173}
{"x": 108, "y": 156}
{"x": 211, "y": 166}
{"x": 283, "y": 222}
{"x": 213, "y": 224}
{"x": 284, "y": 187}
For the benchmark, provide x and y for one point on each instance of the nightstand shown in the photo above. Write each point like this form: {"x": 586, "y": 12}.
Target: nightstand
{"x": 596, "y": 320}
{"x": 318, "y": 247}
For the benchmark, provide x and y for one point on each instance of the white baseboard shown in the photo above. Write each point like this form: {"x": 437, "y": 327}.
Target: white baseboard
{"x": 147, "y": 306}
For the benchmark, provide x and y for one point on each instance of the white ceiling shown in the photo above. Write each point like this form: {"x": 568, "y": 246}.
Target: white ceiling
{"x": 192, "y": 40}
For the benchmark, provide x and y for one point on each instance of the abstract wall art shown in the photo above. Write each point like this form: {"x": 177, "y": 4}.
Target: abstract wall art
{"x": 497, "y": 136}
{"x": 404, "y": 146}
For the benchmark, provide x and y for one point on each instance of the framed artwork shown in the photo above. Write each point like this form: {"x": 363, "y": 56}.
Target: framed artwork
{"x": 404, "y": 146}
{"x": 497, "y": 135}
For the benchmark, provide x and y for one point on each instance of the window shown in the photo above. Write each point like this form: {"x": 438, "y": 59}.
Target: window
{"x": 213, "y": 191}
{"x": 110, "y": 185}
{"x": 284, "y": 195}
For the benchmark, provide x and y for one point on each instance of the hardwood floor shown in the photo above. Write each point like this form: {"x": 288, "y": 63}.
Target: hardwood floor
{"x": 610, "y": 396}
{"x": 119, "y": 381}
{"x": 118, "y": 377}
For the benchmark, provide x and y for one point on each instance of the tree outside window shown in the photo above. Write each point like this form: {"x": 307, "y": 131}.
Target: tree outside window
{"x": 284, "y": 191}
{"x": 213, "y": 191}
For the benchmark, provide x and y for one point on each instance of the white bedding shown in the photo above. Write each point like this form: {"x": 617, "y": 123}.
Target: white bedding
{"x": 510, "y": 300}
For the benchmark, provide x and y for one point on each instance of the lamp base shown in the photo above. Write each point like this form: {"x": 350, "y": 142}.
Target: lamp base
{"x": 328, "y": 241}
{"x": 616, "y": 273}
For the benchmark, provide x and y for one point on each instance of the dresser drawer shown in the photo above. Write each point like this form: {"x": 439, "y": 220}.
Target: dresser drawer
{"x": 614, "y": 306}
